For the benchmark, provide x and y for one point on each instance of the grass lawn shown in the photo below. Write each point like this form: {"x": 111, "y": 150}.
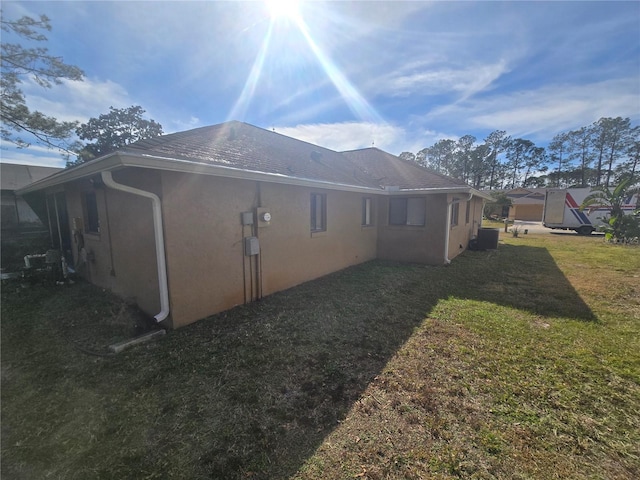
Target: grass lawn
{"x": 518, "y": 363}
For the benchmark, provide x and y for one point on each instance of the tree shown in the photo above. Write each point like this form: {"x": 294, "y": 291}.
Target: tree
{"x": 408, "y": 156}
{"x": 618, "y": 138}
{"x": 440, "y": 156}
{"x": 497, "y": 142}
{"x": 580, "y": 142}
{"x": 463, "y": 158}
{"x": 113, "y": 130}
{"x": 557, "y": 153}
{"x": 630, "y": 167}
{"x": 519, "y": 152}
{"x": 35, "y": 63}
{"x": 618, "y": 226}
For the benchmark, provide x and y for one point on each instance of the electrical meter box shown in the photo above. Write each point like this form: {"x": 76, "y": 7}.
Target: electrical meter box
{"x": 264, "y": 217}
{"x": 251, "y": 246}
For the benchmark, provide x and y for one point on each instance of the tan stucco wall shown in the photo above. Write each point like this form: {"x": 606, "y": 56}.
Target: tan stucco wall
{"x": 292, "y": 255}
{"x": 460, "y": 234}
{"x": 208, "y": 271}
{"x": 412, "y": 243}
{"x": 123, "y": 253}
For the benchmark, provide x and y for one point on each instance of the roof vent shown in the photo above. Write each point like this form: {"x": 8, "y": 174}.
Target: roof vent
{"x": 316, "y": 156}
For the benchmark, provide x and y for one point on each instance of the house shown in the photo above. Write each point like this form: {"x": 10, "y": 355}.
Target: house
{"x": 15, "y": 211}
{"x": 193, "y": 223}
{"x": 526, "y": 204}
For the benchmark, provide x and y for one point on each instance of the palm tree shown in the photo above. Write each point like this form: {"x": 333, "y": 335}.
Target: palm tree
{"x": 618, "y": 226}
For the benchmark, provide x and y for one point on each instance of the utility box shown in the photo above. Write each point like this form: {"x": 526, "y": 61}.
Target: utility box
{"x": 247, "y": 218}
{"x": 251, "y": 246}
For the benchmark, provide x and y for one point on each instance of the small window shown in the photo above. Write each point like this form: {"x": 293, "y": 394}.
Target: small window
{"x": 455, "y": 212}
{"x": 91, "y": 219}
{"x": 318, "y": 212}
{"x": 407, "y": 211}
{"x": 366, "y": 212}
{"x": 468, "y": 212}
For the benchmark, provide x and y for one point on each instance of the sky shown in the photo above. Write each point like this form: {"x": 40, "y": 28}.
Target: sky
{"x": 343, "y": 74}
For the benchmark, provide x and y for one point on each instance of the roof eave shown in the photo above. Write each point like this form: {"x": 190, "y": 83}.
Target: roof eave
{"x": 122, "y": 159}
{"x": 462, "y": 189}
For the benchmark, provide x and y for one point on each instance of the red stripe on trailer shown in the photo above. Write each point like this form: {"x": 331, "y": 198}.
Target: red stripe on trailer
{"x": 571, "y": 202}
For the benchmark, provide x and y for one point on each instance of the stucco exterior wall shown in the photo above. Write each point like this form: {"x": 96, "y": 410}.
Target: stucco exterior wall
{"x": 208, "y": 270}
{"x": 291, "y": 254}
{"x": 408, "y": 243}
{"x": 461, "y": 233}
{"x": 122, "y": 256}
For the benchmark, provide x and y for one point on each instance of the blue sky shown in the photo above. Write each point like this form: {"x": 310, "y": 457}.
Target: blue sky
{"x": 345, "y": 75}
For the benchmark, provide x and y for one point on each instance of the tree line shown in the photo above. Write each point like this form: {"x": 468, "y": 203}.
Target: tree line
{"x": 602, "y": 153}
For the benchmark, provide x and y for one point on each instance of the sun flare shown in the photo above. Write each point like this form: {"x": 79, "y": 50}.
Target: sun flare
{"x": 283, "y": 9}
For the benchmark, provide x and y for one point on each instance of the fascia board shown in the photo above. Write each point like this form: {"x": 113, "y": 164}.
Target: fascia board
{"x": 431, "y": 191}
{"x": 85, "y": 170}
{"x": 117, "y": 160}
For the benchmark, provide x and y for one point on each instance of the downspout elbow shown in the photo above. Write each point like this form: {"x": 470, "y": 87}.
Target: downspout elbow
{"x": 156, "y": 204}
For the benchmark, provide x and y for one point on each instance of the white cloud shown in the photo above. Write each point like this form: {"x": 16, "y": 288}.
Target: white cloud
{"x": 73, "y": 100}
{"x": 345, "y": 135}
{"x": 353, "y": 135}
{"x": 34, "y": 155}
{"x": 434, "y": 80}
{"x": 541, "y": 113}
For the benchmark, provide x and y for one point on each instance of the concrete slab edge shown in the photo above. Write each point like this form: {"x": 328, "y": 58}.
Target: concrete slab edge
{"x": 120, "y": 346}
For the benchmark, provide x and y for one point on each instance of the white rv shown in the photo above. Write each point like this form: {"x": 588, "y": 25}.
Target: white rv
{"x": 562, "y": 210}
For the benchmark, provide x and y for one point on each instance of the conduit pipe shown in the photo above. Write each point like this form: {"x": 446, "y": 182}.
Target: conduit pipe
{"x": 108, "y": 180}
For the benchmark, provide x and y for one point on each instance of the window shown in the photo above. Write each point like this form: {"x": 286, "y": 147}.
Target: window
{"x": 91, "y": 219}
{"x": 318, "y": 212}
{"x": 407, "y": 211}
{"x": 455, "y": 212}
{"x": 467, "y": 213}
{"x": 366, "y": 212}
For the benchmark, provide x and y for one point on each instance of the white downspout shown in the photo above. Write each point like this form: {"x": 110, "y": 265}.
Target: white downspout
{"x": 159, "y": 238}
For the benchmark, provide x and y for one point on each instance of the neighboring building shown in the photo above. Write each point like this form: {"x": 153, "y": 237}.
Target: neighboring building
{"x": 527, "y": 204}
{"x": 15, "y": 211}
{"x": 193, "y": 223}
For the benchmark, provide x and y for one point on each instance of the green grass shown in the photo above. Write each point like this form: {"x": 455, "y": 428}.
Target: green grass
{"x": 518, "y": 363}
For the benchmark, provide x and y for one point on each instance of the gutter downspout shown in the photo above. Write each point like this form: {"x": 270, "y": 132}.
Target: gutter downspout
{"x": 447, "y": 261}
{"x": 108, "y": 180}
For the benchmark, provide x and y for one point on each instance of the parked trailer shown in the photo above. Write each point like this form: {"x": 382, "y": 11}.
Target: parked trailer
{"x": 562, "y": 210}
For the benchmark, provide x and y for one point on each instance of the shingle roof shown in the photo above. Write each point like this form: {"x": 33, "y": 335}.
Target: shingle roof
{"x": 389, "y": 170}
{"x": 243, "y": 146}
{"x": 15, "y": 176}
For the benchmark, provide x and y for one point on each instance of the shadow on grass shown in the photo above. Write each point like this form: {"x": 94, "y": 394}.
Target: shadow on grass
{"x": 249, "y": 393}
